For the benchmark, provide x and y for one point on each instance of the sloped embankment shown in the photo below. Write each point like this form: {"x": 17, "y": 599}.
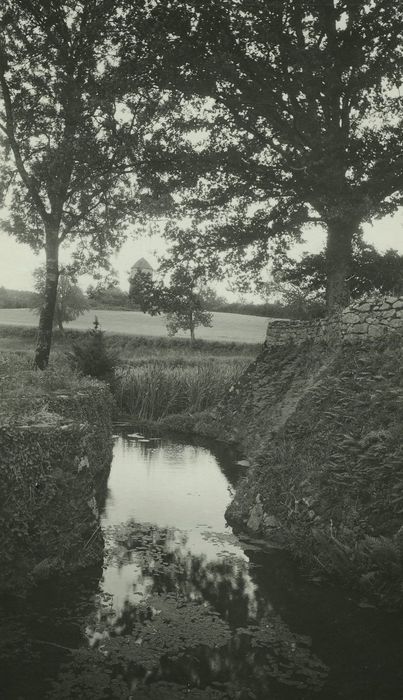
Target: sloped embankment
{"x": 323, "y": 428}
{"x": 55, "y": 450}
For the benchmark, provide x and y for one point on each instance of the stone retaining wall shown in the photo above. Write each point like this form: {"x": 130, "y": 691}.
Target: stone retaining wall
{"x": 53, "y": 476}
{"x": 370, "y": 318}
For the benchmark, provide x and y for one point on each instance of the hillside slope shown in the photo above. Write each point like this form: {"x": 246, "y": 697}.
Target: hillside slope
{"x": 322, "y": 427}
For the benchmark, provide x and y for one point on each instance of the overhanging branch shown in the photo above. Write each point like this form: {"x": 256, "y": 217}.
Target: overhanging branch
{"x": 9, "y": 130}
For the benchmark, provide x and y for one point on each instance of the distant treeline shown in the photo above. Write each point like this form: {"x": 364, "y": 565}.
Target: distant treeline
{"x": 115, "y": 298}
{"x": 268, "y": 310}
{"x": 16, "y": 298}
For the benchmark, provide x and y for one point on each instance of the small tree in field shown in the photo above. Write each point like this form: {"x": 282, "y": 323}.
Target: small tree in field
{"x": 186, "y": 308}
{"x": 71, "y": 302}
{"x": 181, "y": 300}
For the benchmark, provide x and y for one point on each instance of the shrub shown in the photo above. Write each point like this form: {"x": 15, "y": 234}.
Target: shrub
{"x": 90, "y": 356}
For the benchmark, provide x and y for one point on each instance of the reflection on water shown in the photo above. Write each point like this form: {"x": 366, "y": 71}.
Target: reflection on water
{"x": 183, "y": 608}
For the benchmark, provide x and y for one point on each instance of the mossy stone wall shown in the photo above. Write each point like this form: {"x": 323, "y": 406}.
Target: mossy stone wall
{"x": 322, "y": 428}
{"x": 370, "y": 318}
{"x": 53, "y": 479}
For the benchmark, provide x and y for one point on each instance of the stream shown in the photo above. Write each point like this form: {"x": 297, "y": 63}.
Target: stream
{"x": 183, "y": 607}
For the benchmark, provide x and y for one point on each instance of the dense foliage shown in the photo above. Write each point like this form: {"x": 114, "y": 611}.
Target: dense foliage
{"x": 107, "y": 295}
{"x": 71, "y": 302}
{"x": 294, "y": 109}
{"x": 371, "y": 272}
{"x": 76, "y": 154}
{"x": 182, "y": 300}
{"x": 16, "y": 298}
{"x": 91, "y": 357}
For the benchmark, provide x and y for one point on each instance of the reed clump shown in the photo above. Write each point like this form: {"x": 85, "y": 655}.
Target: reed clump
{"x": 156, "y": 389}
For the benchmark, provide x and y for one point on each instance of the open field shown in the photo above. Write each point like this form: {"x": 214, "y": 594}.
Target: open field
{"x": 236, "y": 328}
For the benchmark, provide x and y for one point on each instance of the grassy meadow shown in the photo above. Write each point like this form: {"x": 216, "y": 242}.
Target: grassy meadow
{"x": 230, "y": 328}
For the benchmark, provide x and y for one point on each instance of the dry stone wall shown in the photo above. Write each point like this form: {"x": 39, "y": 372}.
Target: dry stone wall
{"x": 369, "y": 318}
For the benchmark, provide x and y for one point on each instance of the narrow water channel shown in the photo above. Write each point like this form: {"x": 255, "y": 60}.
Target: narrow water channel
{"x": 184, "y": 608}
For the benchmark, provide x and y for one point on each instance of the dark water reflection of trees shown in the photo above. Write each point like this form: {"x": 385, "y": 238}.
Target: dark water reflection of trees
{"x": 257, "y": 653}
{"x": 222, "y": 620}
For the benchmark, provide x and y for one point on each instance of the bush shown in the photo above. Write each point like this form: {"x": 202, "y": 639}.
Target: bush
{"x": 90, "y": 356}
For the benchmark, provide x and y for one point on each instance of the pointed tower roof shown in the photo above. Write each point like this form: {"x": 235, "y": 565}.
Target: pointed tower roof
{"x": 142, "y": 264}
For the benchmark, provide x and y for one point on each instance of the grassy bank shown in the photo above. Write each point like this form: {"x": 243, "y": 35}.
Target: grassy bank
{"x": 155, "y": 377}
{"x": 329, "y": 482}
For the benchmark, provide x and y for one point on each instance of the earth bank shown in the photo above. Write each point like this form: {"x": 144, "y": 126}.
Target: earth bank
{"x": 320, "y": 421}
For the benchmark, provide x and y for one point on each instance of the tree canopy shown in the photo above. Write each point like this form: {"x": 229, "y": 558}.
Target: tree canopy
{"x": 182, "y": 300}
{"x": 371, "y": 272}
{"x": 78, "y": 150}
{"x": 296, "y": 116}
{"x": 71, "y": 301}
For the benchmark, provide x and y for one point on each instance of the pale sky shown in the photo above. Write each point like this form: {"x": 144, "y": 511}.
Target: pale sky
{"x": 17, "y": 261}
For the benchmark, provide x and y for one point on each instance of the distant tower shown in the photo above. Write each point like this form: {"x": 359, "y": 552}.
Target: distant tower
{"x": 141, "y": 265}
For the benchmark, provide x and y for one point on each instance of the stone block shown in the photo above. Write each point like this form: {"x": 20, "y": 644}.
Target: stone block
{"x": 365, "y": 307}
{"x": 376, "y": 331}
{"x": 398, "y": 304}
{"x": 384, "y": 306}
{"x": 255, "y": 520}
{"x": 351, "y": 318}
{"x": 359, "y": 328}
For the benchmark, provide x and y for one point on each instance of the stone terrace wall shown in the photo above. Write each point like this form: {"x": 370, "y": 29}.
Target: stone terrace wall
{"x": 370, "y": 318}
{"x": 53, "y": 471}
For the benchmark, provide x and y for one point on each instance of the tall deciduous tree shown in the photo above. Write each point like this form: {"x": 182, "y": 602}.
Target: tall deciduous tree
{"x": 76, "y": 158}
{"x": 304, "y": 120}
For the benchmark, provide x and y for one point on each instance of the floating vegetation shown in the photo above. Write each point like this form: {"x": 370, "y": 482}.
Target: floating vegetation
{"x": 165, "y": 627}
{"x": 168, "y": 632}
{"x": 173, "y": 691}
{"x": 288, "y": 657}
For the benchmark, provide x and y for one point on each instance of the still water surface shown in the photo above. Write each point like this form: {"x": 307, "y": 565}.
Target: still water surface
{"x": 184, "y": 608}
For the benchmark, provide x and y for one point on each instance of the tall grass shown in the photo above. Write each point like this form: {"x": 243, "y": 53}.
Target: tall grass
{"x": 155, "y": 389}
{"x": 156, "y": 377}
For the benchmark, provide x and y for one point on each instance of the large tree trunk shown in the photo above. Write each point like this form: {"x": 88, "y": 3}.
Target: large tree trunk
{"x": 44, "y": 339}
{"x": 338, "y": 263}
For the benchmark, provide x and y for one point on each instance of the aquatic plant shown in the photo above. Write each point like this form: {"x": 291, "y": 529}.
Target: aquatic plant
{"x": 157, "y": 389}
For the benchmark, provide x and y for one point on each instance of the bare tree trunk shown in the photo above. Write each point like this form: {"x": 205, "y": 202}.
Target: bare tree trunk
{"x": 192, "y": 328}
{"x": 44, "y": 339}
{"x": 338, "y": 262}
